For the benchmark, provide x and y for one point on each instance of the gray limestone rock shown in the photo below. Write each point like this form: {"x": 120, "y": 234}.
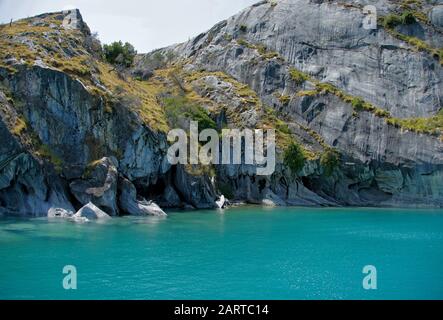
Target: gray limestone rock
{"x": 100, "y": 186}
{"x": 129, "y": 203}
{"x": 90, "y": 212}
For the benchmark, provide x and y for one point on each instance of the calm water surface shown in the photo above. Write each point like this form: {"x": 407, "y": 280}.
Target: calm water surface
{"x": 243, "y": 253}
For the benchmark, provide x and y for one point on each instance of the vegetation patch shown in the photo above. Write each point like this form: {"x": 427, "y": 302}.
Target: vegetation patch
{"x": 141, "y": 96}
{"x": 180, "y": 107}
{"x": 262, "y": 50}
{"x": 26, "y": 43}
{"x": 357, "y": 103}
{"x": 20, "y": 126}
{"x": 330, "y": 160}
{"x": 273, "y": 3}
{"x": 392, "y": 20}
{"x": 307, "y": 93}
{"x": 268, "y": 119}
{"x": 297, "y": 76}
{"x": 242, "y": 90}
{"x": 410, "y": 16}
{"x": 120, "y": 54}
{"x": 294, "y": 157}
{"x": 431, "y": 126}
{"x": 45, "y": 152}
{"x": 284, "y": 99}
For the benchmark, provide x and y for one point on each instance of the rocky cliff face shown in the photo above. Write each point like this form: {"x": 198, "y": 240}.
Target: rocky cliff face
{"x": 324, "y": 41}
{"x": 74, "y": 130}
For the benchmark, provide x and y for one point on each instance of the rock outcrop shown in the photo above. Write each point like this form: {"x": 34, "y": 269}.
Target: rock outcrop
{"x": 90, "y": 212}
{"x": 365, "y": 107}
{"x": 436, "y": 16}
{"x": 196, "y": 189}
{"x": 99, "y": 185}
{"x": 27, "y": 187}
{"x": 138, "y": 207}
{"x": 382, "y": 164}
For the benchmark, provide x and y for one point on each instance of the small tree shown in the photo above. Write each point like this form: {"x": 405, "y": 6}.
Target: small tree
{"x": 120, "y": 54}
{"x": 294, "y": 158}
{"x": 408, "y": 18}
{"x": 329, "y": 161}
{"x": 358, "y": 103}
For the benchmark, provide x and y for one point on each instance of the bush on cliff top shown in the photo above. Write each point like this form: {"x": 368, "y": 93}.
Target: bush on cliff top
{"x": 120, "y": 54}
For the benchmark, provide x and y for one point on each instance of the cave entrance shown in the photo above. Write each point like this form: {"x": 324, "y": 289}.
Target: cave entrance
{"x": 308, "y": 183}
{"x": 152, "y": 191}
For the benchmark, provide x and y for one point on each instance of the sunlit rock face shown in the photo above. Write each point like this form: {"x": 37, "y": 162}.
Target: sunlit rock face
{"x": 71, "y": 136}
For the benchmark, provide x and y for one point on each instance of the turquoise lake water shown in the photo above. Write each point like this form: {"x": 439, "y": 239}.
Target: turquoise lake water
{"x": 243, "y": 253}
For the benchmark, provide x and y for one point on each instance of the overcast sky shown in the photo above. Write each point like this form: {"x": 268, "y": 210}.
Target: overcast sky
{"x": 148, "y": 24}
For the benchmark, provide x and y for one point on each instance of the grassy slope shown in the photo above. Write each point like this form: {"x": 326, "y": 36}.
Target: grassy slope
{"x": 26, "y": 42}
{"x": 65, "y": 50}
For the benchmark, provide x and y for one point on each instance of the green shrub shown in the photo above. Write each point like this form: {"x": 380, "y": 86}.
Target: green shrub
{"x": 432, "y": 125}
{"x": 391, "y": 21}
{"x": 120, "y": 54}
{"x": 297, "y": 76}
{"x": 284, "y": 99}
{"x": 243, "y": 28}
{"x": 244, "y": 43}
{"x": 407, "y": 18}
{"x": 262, "y": 49}
{"x": 270, "y": 55}
{"x": 307, "y": 93}
{"x": 273, "y": 3}
{"x": 45, "y": 151}
{"x": 282, "y": 127}
{"x": 294, "y": 157}
{"x": 197, "y": 113}
{"x": 180, "y": 107}
{"x": 228, "y": 37}
{"x": 382, "y": 113}
{"x": 20, "y": 126}
{"x": 358, "y": 103}
{"x": 417, "y": 43}
{"x": 329, "y": 161}
{"x": 325, "y": 88}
